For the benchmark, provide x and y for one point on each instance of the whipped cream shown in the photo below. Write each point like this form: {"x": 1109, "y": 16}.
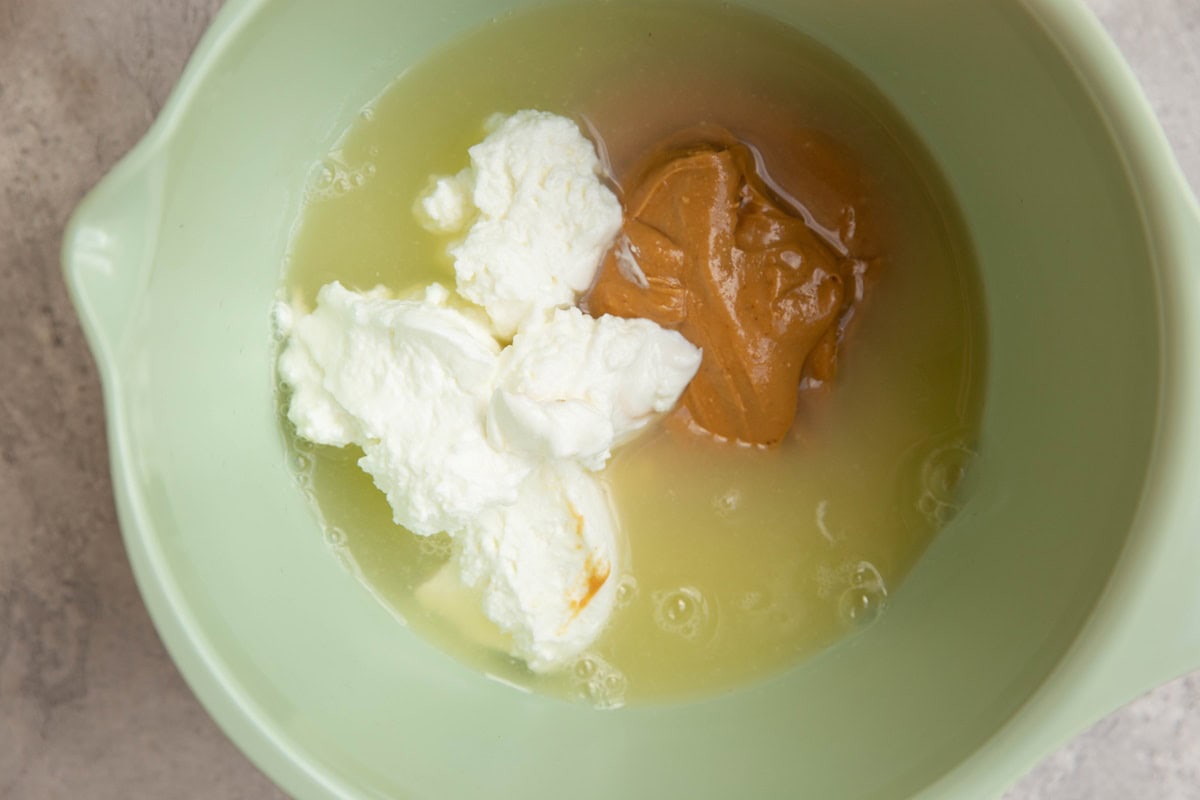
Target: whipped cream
{"x": 496, "y": 445}
{"x": 577, "y": 386}
{"x": 543, "y": 218}
{"x": 546, "y": 564}
{"x": 409, "y": 382}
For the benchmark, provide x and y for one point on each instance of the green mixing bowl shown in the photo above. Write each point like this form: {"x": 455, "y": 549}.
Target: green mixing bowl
{"x": 1067, "y": 584}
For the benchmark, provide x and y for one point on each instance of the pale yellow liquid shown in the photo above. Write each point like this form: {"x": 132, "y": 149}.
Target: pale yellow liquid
{"x": 741, "y": 562}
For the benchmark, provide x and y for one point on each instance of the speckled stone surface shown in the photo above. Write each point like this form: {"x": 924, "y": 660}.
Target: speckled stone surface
{"x": 90, "y": 704}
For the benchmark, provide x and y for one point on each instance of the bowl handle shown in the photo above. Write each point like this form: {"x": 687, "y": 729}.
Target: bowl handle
{"x": 109, "y": 246}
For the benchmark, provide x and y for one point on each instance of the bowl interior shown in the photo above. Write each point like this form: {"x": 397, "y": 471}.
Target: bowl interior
{"x": 232, "y": 558}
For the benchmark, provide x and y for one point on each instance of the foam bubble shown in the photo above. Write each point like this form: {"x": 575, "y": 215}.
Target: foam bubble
{"x": 627, "y": 589}
{"x": 683, "y": 612}
{"x": 597, "y": 682}
{"x": 862, "y": 602}
{"x": 438, "y": 547}
{"x": 585, "y": 668}
{"x": 728, "y": 502}
{"x": 300, "y": 445}
{"x": 859, "y": 605}
{"x": 941, "y": 473}
{"x": 336, "y": 178}
{"x": 867, "y": 574}
{"x": 335, "y": 536}
{"x": 325, "y": 177}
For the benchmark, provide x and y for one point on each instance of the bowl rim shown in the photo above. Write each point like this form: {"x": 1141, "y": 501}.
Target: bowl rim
{"x": 1120, "y": 651}
{"x": 1082, "y": 685}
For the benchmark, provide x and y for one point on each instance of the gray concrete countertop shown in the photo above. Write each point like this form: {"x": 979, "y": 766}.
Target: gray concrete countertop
{"x": 90, "y": 704}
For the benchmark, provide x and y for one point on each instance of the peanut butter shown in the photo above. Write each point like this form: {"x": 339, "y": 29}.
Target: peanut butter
{"x": 710, "y": 249}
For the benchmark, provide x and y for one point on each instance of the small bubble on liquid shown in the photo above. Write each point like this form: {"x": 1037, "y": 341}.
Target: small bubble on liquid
{"x": 683, "y": 612}
{"x": 941, "y": 474}
{"x": 359, "y": 179}
{"x": 927, "y": 504}
{"x": 936, "y": 511}
{"x": 867, "y": 575}
{"x": 945, "y": 468}
{"x": 437, "y": 546}
{"x": 335, "y": 536}
{"x": 342, "y": 184}
{"x": 367, "y": 113}
{"x": 942, "y": 464}
{"x": 599, "y": 683}
{"x": 728, "y": 502}
{"x": 626, "y": 590}
{"x": 302, "y": 462}
{"x": 369, "y": 169}
{"x": 861, "y": 605}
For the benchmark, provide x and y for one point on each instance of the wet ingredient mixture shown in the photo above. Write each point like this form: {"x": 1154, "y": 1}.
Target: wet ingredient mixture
{"x": 733, "y": 563}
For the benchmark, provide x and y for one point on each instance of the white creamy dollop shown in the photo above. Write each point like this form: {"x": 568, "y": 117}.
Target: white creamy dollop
{"x": 447, "y": 205}
{"x": 578, "y": 386}
{"x": 546, "y": 564}
{"x": 409, "y": 382}
{"x": 496, "y": 445}
{"x": 544, "y": 221}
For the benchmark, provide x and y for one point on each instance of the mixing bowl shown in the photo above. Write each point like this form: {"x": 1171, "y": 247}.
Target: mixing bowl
{"x": 1065, "y": 586}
